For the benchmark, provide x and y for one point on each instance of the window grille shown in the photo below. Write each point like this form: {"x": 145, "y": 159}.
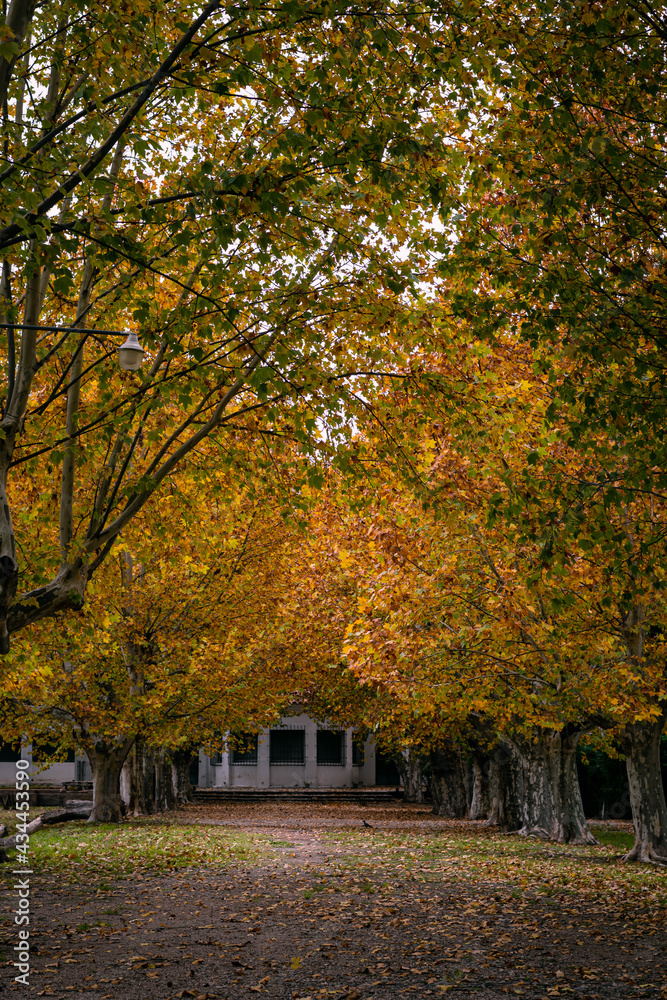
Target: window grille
{"x": 193, "y": 771}
{"x": 287, "y": 746}
{"x": 10, "y": 752}
{"x": 41, "y": 754}
{"x": 358, "y": 752}
{"x": 330, "y": 747}
{"x": 246, "y": 751}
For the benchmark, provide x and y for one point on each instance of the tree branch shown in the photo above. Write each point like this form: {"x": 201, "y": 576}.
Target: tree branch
{"x": 93, "y": 162}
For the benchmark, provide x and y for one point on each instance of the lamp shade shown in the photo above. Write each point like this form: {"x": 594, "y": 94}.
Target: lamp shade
{"x": 130, "y": 354}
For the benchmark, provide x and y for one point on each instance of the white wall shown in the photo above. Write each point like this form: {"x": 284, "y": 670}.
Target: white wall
{"x": 263, "y": 774}
{"x": 56, "y": 774}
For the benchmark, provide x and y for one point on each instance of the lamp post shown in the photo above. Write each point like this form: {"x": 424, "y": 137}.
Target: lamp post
{"x": 130, "y": 353}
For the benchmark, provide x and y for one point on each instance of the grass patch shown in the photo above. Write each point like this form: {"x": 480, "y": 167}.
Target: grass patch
{"x": 107, "y": 850}
{"x": 8, "y": 816}
{"x": 511, "y": 868}
{"x": 619, "y": 839}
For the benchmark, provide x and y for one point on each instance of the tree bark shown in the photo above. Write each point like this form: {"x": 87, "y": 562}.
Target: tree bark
{"x": 18, "y": 20}
{"x": 9, "y": 428}
{"x": 409, "y": 766}
{"x": 536, "y": 807}
{"x": 505, "y": 788}
{"x": 61, "y": 816}
{"x": 180, "y": 776}
{"x": 552, "y": 805}
{"x": 448, "y": 785}
{"x": 641, "y": 744}
{"x": 106, "y": 761}
{"x": 164, "y": 790}
{"x": 127, "y": 789}
{"x": 143, "y": 779}
{"x": 149, "y": 782}
{"x": 480, "y": 798}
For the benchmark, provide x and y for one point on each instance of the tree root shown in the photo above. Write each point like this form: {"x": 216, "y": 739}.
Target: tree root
{"x": 645, "y": 854}
{"x": 536, "y": 831}
{"x": 580, "y": 837}
{"x": 583, "y": 839}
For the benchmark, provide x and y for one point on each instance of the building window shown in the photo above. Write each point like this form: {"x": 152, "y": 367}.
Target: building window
{"x": 287, "y": 746}
{"x": 358, "y": 752}
{"x": 245, "y": 751}
{"x": 47, "y": 752}
{"x": 193, "y": 770}
{"x": 330, "y": 747}
{"x": 83, "y": 770}
{"x": 215, "y": 760}
{"x": 10, "y": 752}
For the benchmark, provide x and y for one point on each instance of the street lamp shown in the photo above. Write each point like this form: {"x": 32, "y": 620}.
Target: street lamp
{"x": 130, "y": 353}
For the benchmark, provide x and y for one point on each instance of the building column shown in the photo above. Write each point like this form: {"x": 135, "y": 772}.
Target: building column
{"x": 348, "y": 758}
{"x": 222, "y": 771}
{"x": 204, "y": 770}
{"x": 263, "y": 759}
{"x": 310, "y": 770}
{"x": 367, "y": 771}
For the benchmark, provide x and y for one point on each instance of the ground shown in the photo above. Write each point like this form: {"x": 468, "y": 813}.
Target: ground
{"x": 239, "y": 900}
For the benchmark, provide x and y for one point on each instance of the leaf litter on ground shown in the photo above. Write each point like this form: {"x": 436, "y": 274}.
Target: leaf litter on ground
{"x": 316, "y": 905}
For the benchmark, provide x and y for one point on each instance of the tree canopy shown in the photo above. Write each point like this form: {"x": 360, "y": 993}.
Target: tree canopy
{"x": 398, "y": 275}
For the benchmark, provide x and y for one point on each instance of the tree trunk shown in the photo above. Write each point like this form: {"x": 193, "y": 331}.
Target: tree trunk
{"x": 552, "y": 805}
{"x": 180, "y": 776}
{"x": 106, "y": 761}
{"x": 480, "y": 797}
{"x": 569, "y": 821}
{"x": 536, "y": 807}
{"x": 448, "y": 785}
{"x": 143, "y": 779}
{"x": 9, "y": 569}
{"x": 641, "y": 744}
{"x": 127, "y": 786}
{"x": 164, "y": 791}
{"x": 17, "y": 20}
{"x": 61, "y": 816}
{"x": 155, "y": 780}
{"x": 505, "y": 788}
{"x": 409, "y": 767}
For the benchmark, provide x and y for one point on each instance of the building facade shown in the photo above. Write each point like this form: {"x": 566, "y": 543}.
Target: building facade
{"x": 74, "y": 769}
{"x": 296, "y": 753}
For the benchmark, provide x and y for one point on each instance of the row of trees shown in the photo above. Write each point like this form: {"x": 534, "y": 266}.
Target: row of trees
{"x": 475, "y": 631}
{"x": 479, "y": 402}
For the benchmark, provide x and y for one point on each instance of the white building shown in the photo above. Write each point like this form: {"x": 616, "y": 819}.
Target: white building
{"x": 296, "y": 753}
{"x": 74, "y": 768}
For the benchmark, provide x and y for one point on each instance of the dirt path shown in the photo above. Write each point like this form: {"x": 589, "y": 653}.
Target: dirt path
{"x": 355, "y": 917}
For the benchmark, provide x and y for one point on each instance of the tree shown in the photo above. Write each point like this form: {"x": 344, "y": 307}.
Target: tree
{"x": 560, "y": 238}
{"x": 459, "y": 604}
{"x": 167, "y": 651}
{"x": 234, "y": 184}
